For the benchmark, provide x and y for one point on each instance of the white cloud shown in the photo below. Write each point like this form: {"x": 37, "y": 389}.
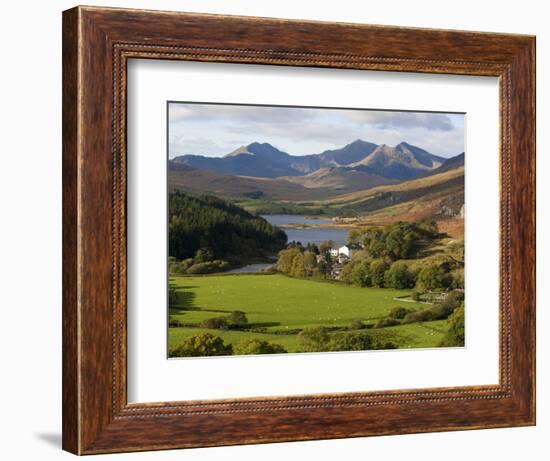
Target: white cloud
{"x": 394, "y": 119}
{"x": 216, "y": 129}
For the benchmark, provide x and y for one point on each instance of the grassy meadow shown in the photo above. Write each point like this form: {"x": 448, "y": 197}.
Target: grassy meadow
{"x": 278, "y": 307}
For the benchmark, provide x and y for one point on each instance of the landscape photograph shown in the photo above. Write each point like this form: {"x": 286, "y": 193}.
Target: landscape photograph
{"x": 308, "y": 229}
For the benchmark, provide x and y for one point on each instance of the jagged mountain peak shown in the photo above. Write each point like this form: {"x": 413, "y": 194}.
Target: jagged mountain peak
{"x": 242, "y": 150}
{"x": 264, "y": 148}
{"x": 262, "y": 159}
{"x": 358, "y": 142}
{"x": 404, "y": 161}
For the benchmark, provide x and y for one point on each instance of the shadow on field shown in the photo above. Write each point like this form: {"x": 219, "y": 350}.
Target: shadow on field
{"x": 185, "y": 298}
{"x": 264, "y": 324}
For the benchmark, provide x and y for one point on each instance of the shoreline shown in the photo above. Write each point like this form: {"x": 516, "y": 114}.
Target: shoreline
{"x": 318, "y": 226}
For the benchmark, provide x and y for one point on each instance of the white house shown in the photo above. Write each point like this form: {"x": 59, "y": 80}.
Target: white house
{"x": 345, "y": 250}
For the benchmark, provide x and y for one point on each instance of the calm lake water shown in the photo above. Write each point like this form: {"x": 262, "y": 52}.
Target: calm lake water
{"x": 308, "y": 234}
{"x": 251, "y": 268}
{"x": 304, "y": 235}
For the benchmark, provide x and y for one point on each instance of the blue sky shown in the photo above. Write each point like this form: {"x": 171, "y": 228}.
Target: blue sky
{"x": 215, "y": 130}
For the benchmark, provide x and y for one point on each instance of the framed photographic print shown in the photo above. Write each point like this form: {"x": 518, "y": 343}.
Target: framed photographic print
{"x": 281, "y": 230}
{"x": 270, "y": 252}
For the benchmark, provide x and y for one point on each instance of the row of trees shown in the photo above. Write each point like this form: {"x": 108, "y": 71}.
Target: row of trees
{"x": 380, "y": 260}
{"x": 439, "y": 311}
{"x": 202, "y": 263}
{"x": 316, "y": 339}
{"x": 451, "y": 308}
{"x": 401, "y": 240}
{"x": 209, "y": 345}
{"x": 382, "y": 273}
{"x": 319, "y": 339}
{"x": 364, "y": 271}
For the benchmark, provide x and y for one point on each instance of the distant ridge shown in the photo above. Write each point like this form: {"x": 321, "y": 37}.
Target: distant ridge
{"x": 263, "y": 160}
{"x": 403, "y": 161}
{"x": 450, "y": 164}
{"x": 322, "y": 183}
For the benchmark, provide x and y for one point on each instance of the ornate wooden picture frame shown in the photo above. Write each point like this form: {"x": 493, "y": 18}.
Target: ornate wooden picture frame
{"x": 97, "y": 44}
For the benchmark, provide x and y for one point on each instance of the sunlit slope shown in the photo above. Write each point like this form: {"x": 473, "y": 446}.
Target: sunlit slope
{"x": 438, "y": 195}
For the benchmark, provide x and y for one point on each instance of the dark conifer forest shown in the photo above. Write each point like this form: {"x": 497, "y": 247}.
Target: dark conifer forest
{"x": 221, "y": 229}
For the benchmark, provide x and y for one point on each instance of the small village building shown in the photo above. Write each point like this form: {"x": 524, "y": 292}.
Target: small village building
{"x": 345, "y": 250}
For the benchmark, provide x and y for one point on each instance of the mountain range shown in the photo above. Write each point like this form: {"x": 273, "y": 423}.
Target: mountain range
{"x": 380, "y": 163}
{"x": 401, "y": 182}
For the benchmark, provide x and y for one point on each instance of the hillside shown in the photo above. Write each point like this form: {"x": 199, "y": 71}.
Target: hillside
{"x": 340, "y": 179}
{"x": 187, "y": 179}
{"x": 451, "y": 163}
{"x": 418, "y": 189}
{"x": 321, "y": 184}
{"x": 439, "y": 197}
{"x": 220, "y": 229}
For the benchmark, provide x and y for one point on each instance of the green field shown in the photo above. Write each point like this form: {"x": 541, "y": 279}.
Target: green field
{"x": 278, "y": 307}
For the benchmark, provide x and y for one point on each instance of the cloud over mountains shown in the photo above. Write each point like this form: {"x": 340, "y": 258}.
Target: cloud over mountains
{"x": 215, "y": 129}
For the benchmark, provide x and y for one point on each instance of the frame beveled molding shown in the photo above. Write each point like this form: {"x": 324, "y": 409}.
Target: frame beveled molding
{"x": 97, "y": 44}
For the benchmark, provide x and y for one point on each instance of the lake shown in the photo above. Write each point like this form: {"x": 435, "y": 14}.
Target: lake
{"x": 307, "y": 235}
{"x": 251, "y": 268}
{"x": 303, "y": 235}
